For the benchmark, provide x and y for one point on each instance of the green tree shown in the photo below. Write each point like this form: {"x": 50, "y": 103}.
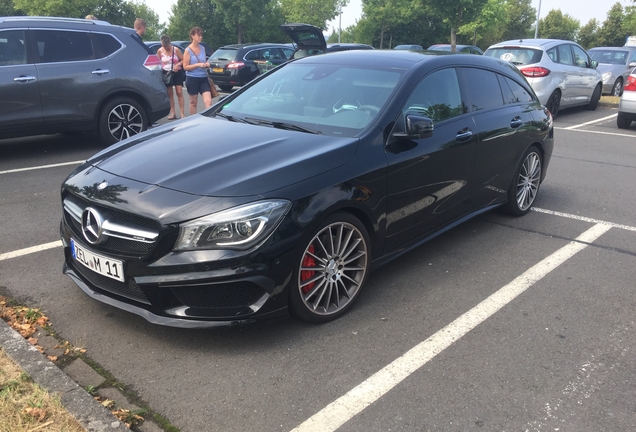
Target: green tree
{"x": 588, "y": 34}
{"x": 67, "y": 8}
{"x": 456, "y": 13}
{"x": 186, "y": 14}
{"x": 629, "y": 21}
{"x": 385, "y": 15}
{"x": 119, "y": 12}
{"x": 315, "y": 12}
{"x": 490, "y": 24}
{"x": 246, "y": 18}
{"x": 611, "y": 33}
{"x": 7, "y": 8}
{"x": 556, "y": 25}
{"x": 521, "y": 17}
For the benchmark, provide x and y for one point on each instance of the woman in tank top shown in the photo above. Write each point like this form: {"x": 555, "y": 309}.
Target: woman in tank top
{"x": 171, "y": 60}
{"x": 196, "y": 67}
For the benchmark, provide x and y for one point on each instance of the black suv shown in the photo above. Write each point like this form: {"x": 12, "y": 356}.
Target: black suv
{"x": 67, "y": 75}
{"x": 236, "y": 65}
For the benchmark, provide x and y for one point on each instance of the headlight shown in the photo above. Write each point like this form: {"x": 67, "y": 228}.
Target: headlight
{"x": 238, "y": 228}
{"x": 606, "y": 76}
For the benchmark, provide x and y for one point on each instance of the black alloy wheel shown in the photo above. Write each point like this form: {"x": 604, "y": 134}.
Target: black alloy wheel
{"x": 121, "y": 118}
{"x": 525, "y": 184}
{"x": 331, "y": 268}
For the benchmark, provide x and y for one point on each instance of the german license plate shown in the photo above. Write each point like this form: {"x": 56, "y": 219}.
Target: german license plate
{"x": 217, "y": 70}
{"x": 105, "y": 266}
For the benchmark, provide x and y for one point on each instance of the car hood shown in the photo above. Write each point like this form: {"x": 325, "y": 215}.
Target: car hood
{"x": 214, "y": 157}
{"x": 309, "y": 36}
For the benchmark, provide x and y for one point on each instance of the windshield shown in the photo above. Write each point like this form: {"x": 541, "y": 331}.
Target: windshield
{"x": 328, "y": 99}
{"x": 609, "y": 56}
{"x": 516, "y": 55}
{"x": 224, "y": 54}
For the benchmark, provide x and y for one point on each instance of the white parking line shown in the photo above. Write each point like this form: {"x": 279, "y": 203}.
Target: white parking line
{"x": 41, "y": 167}
{"x": 597, "y": 132}
{"x": 346, "y": 407}
{"x": 30, "y": 250}
{"x": 592, "y": 122}
{"x": 583, "y": 218}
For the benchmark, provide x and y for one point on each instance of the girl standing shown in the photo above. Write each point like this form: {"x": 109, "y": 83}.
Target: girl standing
{"x": 196, "y": 66}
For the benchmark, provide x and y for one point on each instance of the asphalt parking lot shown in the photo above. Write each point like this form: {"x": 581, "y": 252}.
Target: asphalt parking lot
{"x": 500, "y": 324}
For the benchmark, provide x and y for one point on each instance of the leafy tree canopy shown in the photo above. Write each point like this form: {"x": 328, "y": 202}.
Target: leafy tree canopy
{"x": 556, "y": 25}
{"x": 313, "y": 12}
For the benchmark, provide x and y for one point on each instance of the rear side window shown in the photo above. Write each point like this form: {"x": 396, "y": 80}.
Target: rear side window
{"x": 288, "y": 53}
{"x": 513, "y": 92}
{"x": 63, "y": 46}
{"x": 104, "y": 44}
{"x": 484, "y": 90}
{"x": 12, "y": 48}
{"x": 255, "y": 55}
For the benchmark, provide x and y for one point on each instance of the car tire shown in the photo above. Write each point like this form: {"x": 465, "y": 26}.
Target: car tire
{"x": 596, "y": 96}
{"x": 554, "y": 102}
{"x": 339, "y": 251}
{"x": 622, "y": 121}
{"x": 617, "y": 90}
{"x": 225, "y": 88}
{"x": 525, "y": 184}
{"x": 121, "y": 118}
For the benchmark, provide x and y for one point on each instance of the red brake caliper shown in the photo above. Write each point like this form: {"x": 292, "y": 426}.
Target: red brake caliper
{"x": 308, "y": 261}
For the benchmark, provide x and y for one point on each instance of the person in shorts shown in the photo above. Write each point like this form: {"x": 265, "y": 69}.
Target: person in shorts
{"x": 171, "y": 62}
{"x": 196, "y": 67}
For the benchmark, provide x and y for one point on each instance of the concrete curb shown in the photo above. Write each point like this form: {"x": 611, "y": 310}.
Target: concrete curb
{"x": 88, "y": 412}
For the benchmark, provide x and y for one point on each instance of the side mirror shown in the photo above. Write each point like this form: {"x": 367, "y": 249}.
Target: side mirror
{"x": 418, "y": 126}
{"x": 632, "y": 65}
{"x": 593, "y": 64}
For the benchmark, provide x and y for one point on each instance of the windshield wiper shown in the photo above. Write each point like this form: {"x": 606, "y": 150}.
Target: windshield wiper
{"x": 231, "y": 118}
{"x": 281, "y": 125}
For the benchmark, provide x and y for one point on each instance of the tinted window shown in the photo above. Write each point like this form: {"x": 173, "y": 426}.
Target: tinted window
{"x": 484, "y": 89}
{"x": 105, "y": 45}
{"x": 12, "y": 48}
{"x": 272, "y": 54}
{"x": 253, "y": 55}
{"x": 63, "y": 46}
{"x": 513, "y": 92}
{"x": 288, "y": 52}
{"x": 224, "y": 54}
{"x": 437, "y": 96}
{"x": 609, "y": 56}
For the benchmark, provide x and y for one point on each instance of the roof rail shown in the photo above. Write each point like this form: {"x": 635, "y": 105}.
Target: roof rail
{"x": 53, "y": 19}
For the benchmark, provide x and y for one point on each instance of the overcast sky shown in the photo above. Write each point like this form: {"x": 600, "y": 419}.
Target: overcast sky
{"x": 582, "y": 10}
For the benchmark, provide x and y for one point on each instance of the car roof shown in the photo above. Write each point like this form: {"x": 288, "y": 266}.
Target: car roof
{"x": 62, "y": 22}
{"x": 254, "y": 45}
{"x": 624, "y": 48}
{"x": 532, "y": 43}
{"x": 347, "y": 46}
{"x": 404, "y": 59}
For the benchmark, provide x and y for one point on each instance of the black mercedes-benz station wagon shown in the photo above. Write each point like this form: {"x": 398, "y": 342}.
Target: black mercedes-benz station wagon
{"x": 287, "y": 193}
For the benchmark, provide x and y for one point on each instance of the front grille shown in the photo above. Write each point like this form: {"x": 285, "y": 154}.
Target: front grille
{"x": 127, "y": 247}
{"x": 219, "y": 296}
{"x": 125, "y": 289}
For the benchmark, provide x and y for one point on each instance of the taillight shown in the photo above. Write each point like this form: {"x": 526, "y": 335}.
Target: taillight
{"x": 630, "y": 85}
{"x": 535, "y": 72}
{"x": 235, "y": 65}
{"x": 153, "y": 62}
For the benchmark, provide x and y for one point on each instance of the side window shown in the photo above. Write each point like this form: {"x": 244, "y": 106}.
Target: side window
{"x": 63, "y": 46}
{"x": 288, "y": 53}
{"x": 513, "y": 92}
{"x": 565, "y": 55}
{"x": 437, "y": 96}
{"x": 552, "y": 53}
{"x": 580, "y": 57}
{"x": 105, "y": 45}
{"x": 254, "y": 55}
{"x": 12, "y": 47}
{"x": 484, "y": 90}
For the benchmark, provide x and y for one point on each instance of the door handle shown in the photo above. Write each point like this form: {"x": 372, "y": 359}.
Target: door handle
{"x": 23, "y": 79}
{"x": 101, "y": 72}
{"x": 464, "y": 135}
{"x": 516, "y": 122}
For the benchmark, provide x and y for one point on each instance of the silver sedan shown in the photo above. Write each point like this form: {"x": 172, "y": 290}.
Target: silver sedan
{"x": 615, "y": 65}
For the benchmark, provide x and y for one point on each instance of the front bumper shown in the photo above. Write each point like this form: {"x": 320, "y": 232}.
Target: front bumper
{"x": 180, "y": 291}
